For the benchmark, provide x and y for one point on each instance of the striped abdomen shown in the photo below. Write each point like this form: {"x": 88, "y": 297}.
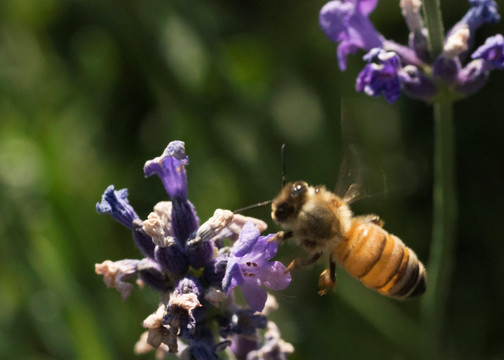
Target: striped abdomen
{"x": 381, "y": 261}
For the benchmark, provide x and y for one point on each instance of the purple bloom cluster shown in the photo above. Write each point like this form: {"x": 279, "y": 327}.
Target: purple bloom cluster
{"x": 393, "y": 68}
{"x": 194, "y": 268}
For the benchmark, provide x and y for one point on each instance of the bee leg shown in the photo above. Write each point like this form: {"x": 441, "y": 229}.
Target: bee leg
{"x": 327, "y": 278}
{"x": 372, "y": 218}
{"x": 281, "y": 236}
{"x": 302, "y": 262}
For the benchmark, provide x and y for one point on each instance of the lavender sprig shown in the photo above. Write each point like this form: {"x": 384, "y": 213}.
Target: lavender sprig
{"x": 435, "y": 68}
{"x": 439, "y": 63}
{"x": 188, "y": 263}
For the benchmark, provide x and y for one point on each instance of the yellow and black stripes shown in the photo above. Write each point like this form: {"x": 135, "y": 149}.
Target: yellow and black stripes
{"x": 381, "y": 261}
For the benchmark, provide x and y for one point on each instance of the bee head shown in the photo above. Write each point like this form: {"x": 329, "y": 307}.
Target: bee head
{"x": 288, "y": 203}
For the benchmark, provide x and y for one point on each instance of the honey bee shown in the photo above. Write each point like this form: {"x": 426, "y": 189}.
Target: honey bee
{"x": 322, "y": 222}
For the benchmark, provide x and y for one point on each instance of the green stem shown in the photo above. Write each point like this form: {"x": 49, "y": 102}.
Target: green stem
{"x": 434, "y": 22}
{"x": 443, "y": 236}
{"x": 444, "y": 201}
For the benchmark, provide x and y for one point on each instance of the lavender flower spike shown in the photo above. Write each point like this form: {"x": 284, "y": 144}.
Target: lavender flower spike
{"x": 248, "y": 267}
{"x": 348, "y": 24}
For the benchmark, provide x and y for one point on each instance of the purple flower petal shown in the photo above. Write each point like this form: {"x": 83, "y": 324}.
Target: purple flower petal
{"x": 199, "y": 252}
{"x": 366, "y": 6}
{"x": 492, "y": 51}
{"x": 170, "y": 167}
{"x": 446, "y": 69}
{"x": 249, "y": 268}
{"x": 416, "y": 84}
{"x": 184, "y": 222}
{"x": 248, "y": 238}
{"x": 481, "y": 11}
{"x": 276, "y": 278}
{"x": 254, "y": 293}
{"x": 381, "y": 76}
{"x": 151, "y": 274}
{"x": 233, "y": 277}
{"x": 472, "y": 77}
{"x": 243, "y": 345}
{"x": 172, "y": 258}
{"x": 116, "y": 204}
{"x": 348, "y": 24}
{"x": 143, "y": 241}
{"x": 267, "y": 248}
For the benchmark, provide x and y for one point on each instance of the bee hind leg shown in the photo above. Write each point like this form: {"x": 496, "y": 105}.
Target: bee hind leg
{"x": 327, "y": 278}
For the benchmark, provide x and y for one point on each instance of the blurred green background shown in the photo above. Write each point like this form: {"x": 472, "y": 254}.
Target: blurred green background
{"x": 90, "y": 90}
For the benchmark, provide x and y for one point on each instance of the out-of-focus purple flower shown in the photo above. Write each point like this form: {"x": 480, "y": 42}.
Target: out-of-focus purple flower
{"x": 381, "y": 75}
{"x": 170, "y": 167}
{"x": 472, "y": 77}
{"x": 416, "y": 84}
{"x": 492, "y": 51}
{"x": 243, "y": 330}
{"x": 481, "y": 11}
{"x": 348, "y": 24}
{"x": 115, "y": 203}
{"x": 411, "y": 10}
{"x": 244, "y": 322}
{"x": 248, "y": 267}
{"x": 203, "y": 347}
{"x": 446, "y": 69}
{"x": 241, "y": 346}
{"x": 274, "y": 347}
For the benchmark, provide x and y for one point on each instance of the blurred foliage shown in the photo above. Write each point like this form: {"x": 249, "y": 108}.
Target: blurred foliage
{"x": 90, "y": 90}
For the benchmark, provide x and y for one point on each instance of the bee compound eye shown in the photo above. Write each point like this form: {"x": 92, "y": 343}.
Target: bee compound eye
{"x": 298, "y": 188}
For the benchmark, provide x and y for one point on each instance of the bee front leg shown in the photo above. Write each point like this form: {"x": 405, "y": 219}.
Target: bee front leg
{"x": 281, "y": 236}
{"x": 302, "y": 262}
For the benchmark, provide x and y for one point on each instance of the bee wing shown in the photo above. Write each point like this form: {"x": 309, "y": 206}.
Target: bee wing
{"x": 354, "y": 192}
{"x": 357, "y": 182}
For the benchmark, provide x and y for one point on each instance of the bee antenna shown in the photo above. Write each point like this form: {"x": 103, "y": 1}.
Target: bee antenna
{"x": 282, "y": 159}
{"x": 253, "y": 206}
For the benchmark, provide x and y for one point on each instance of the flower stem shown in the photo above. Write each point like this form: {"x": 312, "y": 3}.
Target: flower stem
{"x": 444, "y": 201}
{"x": 443, "y": 235}
{"x": 434, "y": 22}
